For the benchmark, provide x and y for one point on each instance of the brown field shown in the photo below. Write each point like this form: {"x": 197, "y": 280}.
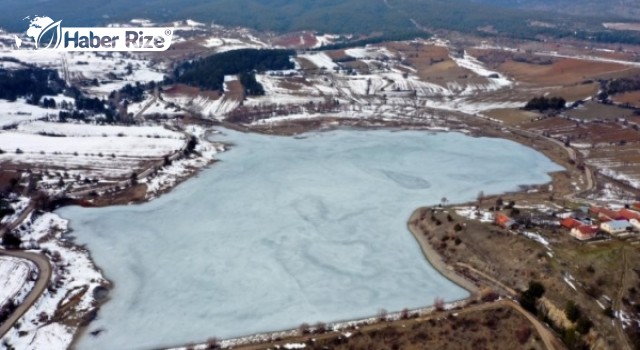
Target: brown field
{"x": 627, "y": 154}
{"x": 494, "y": 327}
{"x": 305, "y": 64}
{"x": 511, "y": 117}
{"x": 599, "y": 111}
{"x": 336, "y": 54}
{"x": 559, "y": 125}
{"x": 182, "y": 89}
{"x": 358, "y": 65}
{"x": 575, "y": 92}
{"x": 8, "y": 173}
{"x": 632, "y": 98}
{"x": 432, "y": 62}
{"x": 606, "y": 133}
{"x": 294, "y": 83}
{"x": 297, "y": 39}
{"x": 563, "y": 72}
{"x": 236, "y": 91}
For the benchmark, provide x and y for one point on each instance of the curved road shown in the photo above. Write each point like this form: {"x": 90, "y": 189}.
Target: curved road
{"x": 44, "y": 276}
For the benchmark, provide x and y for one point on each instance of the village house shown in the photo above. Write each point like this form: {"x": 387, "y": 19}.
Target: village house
{"x": 636, "y": 224}
{"x": 584, "y": 232}
{"x": 605, "y": 214}
{"x": 629, "y": 214}
{"x": 505, "y": 222}
{"x": 615, "y": 227}
{"x": 570, "y": 223}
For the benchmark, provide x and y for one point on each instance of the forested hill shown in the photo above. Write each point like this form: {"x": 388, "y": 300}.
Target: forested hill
{"x": 208, "y": 73}
{"x": 485, "y": 17}
{"x": 629, "y": 9}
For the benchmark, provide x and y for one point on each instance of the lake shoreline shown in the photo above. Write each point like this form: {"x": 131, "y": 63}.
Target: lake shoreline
{"x": 432, "y": 257}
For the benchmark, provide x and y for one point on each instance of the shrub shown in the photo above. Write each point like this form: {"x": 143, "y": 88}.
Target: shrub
{"x": 583, "y": 325}
{"x": 523, "y": 334}
{"x": 529, "y": 298}
{"x": 572, "y": 311}
{"x": 304, "y": 329}
{"x": 438, "y": 304}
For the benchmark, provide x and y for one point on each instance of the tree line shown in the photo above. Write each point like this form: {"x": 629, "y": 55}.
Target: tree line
{"x": 208, "y": 73}
{"x": 543, "y": 103}
{"x": 29, "y": 83}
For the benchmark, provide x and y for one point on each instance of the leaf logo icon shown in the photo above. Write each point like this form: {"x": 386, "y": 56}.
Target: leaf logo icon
{"x": 55, "y": 32}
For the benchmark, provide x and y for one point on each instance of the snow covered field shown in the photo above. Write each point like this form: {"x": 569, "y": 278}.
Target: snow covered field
{"x": 15, "y": 279}
{"x": 285, "y": 231}
{"x": 74, "y": 279}
{"x": 12, "y": 113}
{"x": 97, "y": 150}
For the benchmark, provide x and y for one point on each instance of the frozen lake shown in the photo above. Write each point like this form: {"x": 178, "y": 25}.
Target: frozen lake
{"x": 285, "y": 231}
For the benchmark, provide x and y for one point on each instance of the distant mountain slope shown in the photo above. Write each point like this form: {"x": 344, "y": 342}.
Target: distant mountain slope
{"x": 279, "y": 15}
{"x": 485, "y": 17}
{"x": 623, "y": 8}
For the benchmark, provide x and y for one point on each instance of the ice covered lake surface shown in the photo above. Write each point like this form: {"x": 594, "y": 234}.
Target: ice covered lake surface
{"x": 284, "y": 231}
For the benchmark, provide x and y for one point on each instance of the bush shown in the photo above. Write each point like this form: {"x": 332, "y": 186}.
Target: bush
{"x": 584, "y": 324}
{"x": 11, "y": 240}
{"x": 572, "y": 311}
{"x": 529, "y": 298}
{"x": 523, "y": 334}
{"x": 304, "y": 329}
{"x": 438, "y": 304}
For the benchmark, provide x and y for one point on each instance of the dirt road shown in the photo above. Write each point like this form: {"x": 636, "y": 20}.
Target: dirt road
{"x": 44, "y": 276}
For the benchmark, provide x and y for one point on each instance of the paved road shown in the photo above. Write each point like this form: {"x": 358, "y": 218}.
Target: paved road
{"x": 44, "y": 276}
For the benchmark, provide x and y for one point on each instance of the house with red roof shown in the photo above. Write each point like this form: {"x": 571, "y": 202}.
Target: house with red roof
{"x": 570, "y": 223}
{"x": 605, "y": 214}
{"x": 629, "y": 214}
{"x": 504, "y": 221}
{"x": 584, "y": 232}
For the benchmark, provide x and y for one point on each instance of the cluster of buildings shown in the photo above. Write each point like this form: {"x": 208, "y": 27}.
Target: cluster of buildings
{"x": 586, "y": 224}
